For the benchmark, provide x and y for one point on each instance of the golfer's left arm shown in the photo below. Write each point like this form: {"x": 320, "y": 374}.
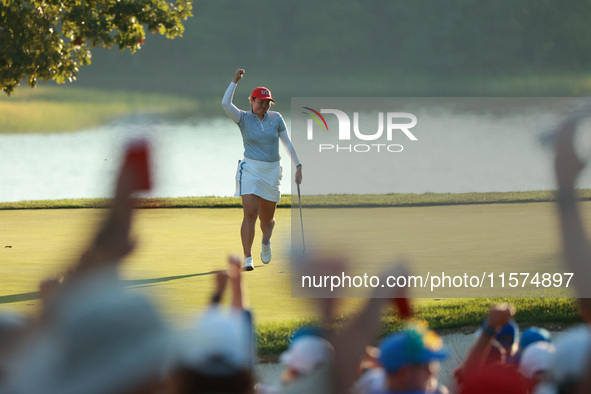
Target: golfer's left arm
{"x": 284, "y": 137}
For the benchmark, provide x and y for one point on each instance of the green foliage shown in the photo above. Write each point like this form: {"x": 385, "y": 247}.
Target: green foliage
{"x": 51, "y": 39}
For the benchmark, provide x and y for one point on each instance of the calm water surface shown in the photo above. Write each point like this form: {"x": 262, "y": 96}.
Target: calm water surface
{"x": 198, "y": 158}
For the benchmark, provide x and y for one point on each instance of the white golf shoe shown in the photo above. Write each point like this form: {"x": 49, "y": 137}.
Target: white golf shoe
{"x": 266, "y": 253}
{"x": 248, "y": 264}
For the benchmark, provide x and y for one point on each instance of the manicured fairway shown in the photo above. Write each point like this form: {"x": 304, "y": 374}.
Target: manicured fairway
{"x": 180, "y": 248}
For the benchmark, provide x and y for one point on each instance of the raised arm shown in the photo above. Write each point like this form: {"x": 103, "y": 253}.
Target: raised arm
{"x": 114, "y": 241}
{"x": 574, "y": 238}
{"x": 351, "y": 338}
{"x": 231, "y": 110}
{"x": 498, "y": 316}
{"x": 235, "y": 277}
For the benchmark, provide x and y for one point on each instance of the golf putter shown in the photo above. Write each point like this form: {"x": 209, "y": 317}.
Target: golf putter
{"x": 301, "y": 220}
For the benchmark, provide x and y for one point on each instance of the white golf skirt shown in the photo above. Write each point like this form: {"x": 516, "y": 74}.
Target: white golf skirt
{"x": 260, "y": 178}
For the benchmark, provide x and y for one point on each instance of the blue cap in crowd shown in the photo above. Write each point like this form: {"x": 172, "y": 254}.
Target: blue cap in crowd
{"x": 534, "y": 334}
{"x": 314, "y": 331}
{"x": 410, "y": 347}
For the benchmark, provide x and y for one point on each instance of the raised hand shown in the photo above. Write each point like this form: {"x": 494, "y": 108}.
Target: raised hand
{"x": 566, "y": 163}
{"x": 113, "y": 240}
{"x": 239, "y": 75}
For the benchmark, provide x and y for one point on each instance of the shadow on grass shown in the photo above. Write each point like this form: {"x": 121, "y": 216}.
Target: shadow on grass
{"x": 7, "y": 299}
{"x": 34, "y": 295}
{"x": 143, "y": 282}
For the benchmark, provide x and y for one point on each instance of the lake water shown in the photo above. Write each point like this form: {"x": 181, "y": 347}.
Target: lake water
{"x": 199, "y": 157}
{"x": 189, "y": 159}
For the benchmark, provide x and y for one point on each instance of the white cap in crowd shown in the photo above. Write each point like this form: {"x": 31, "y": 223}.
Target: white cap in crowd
{"x": 536, "y": 358}
{"x": 573, "y": 351}
{"x": 219, "y": 343}
{"x": 306, "y": 353}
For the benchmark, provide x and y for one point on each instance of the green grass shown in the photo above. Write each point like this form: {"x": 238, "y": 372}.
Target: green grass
{"x": 180, "y": 249}
{"x": 317, "y": 201}
{"x": 442, "y": 316}
{"x": 49, "y": 109}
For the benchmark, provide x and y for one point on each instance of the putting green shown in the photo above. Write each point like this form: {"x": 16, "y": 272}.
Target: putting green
{"x": 179, "y": 249}
{"x": 177, "y": 253}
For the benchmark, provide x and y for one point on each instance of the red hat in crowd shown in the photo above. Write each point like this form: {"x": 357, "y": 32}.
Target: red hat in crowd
{"x": 262, "y": 93}
{"x": 494, "y": 379}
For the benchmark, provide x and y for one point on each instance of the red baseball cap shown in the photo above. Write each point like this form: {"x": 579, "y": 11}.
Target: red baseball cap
{"x": 262, "y": 93}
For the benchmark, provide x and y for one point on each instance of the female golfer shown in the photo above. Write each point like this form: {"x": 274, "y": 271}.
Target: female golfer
{"x": 259, "y": 173}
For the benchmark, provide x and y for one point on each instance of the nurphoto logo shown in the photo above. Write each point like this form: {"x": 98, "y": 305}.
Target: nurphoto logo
{"x": 397, "y": 123}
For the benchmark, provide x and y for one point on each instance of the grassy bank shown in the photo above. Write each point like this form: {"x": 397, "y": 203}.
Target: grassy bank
{"x": 319, "y": 201}
{"x": 463, "y": 315}
{"x": 48, "y": 109}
